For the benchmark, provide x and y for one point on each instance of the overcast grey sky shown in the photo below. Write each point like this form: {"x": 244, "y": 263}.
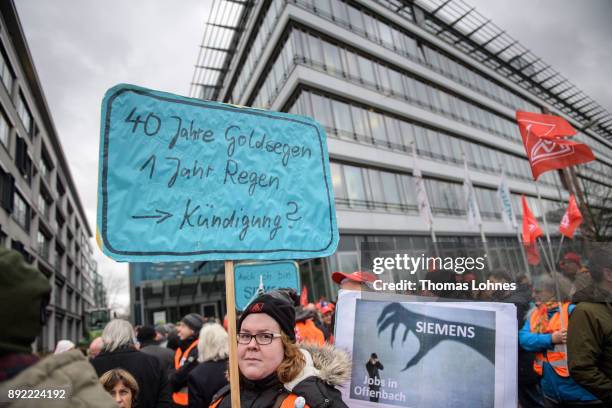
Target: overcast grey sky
{"x": 575, "y": 37}
{"x": 83, "y": 47}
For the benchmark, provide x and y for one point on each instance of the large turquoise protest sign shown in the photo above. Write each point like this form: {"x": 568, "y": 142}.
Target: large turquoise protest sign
{"x": 270, "y": 275}
{"x": 187, "y": 179}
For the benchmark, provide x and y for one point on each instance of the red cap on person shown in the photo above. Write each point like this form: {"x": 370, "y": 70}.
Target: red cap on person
{"x": 359, "y": 276}
{"x": 573, "y": 257}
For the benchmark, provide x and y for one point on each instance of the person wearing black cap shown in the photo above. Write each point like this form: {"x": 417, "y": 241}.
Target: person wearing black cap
{"x": 185, "y": 357}
{"x": 146, "y": 337}
{"x": 274, "y": 370}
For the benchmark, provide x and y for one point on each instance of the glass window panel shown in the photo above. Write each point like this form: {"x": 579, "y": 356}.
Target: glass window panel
{"x": 390, "y": 187}
{"x": 393, "y": 132}
{"x": 407, "y": 132}
{"x": 356, "y": 19}
{"x": 342, "y": 116}
{"x": 376, "y": 187}
{"x": 340, "y": 11}
{"x": 323, "y": 6}
{"x": 353, "y": 65}
{"x": 322, "y": 110}
{"x": 360, "y": 121}
{"x": 397, "y": 85}
{"x": 422, "y": 143}
{"x": 316, "y": 54}
{"x": 366, "y": 68}
{"x": 453, "y": 147}
{"x": 410, "y": 88}
{"x": 4, "y": 130}
{"x": 332, "y": 57}
{"x": 337, "y": 180}
{"x": 6, "y": 72}
{"x": 410, "y": 45}
{"x": 378, "y": 128}
{"x": 409, "y": 189}
{"x": 386, "y": 36}
{"x": 383, "y": 75}
{"x": 421, "y": 93}
{"x": 354, "y": 183}
{"x": 24, "y": 113}
{"x": 371, "y": 27}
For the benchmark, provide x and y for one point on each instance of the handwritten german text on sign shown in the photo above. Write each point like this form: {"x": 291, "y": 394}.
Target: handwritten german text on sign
{"x": 195, "y": 180}
{"x": 272, "y": 275}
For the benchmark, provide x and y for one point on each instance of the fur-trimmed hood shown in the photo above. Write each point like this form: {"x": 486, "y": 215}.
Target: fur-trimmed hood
{"x": 333, "y": 365}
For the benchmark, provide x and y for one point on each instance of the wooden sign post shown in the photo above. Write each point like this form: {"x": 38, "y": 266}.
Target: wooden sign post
{"x": 230, "y": 302}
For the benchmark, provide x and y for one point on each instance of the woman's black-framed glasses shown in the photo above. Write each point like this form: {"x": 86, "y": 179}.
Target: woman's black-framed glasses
{"x": 262, "y": 339}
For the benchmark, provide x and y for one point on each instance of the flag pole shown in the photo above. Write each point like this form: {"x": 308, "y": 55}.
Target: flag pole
{"x": 559, "y": 250}
{"x": 542, "y": 210}
{"x": 525, "y": 261}
{"x": 233, "y": 344}
{"x": 416, "y": 170}
{"x": 509, "y": 219}
{"x": 479, "y": 220}
{"x": 546, "y": 259}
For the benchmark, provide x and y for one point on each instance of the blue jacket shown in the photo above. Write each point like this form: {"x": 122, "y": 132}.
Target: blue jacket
{"x": 553, "y": 386}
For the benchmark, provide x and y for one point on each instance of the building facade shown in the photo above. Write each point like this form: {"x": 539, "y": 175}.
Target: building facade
{"x": 384, "y": 75}
{"x": 41, "y": 213}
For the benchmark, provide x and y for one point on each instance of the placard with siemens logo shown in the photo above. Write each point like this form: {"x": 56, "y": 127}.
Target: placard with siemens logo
{"x": 269, "y": 275}
{"x": 188, "y": 179}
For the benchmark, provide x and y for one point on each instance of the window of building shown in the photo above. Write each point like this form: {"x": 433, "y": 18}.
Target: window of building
{"x": 5, "y": 130}
{"x": 58, "y": 296}
{"x": 21, "y": 211}
{"x": 43, "y": 243}
{"x": 6, "y": 73}
{"x": 45, "y": 165}
{"x": 61, "y": 190}
{"x": 24, "y": 114}
{"x": 355, "y": 185}
{"x": 7, "y": 190}
{"x": 44, "y": 206}
{"x": 23, "y": 160}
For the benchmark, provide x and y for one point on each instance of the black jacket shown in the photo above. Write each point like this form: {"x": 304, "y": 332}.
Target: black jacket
{"x": 204, "y": 382}
{"x": 178, "y": 380}
{"x": 148, "y": 372}
{"x": 333, "y": 367}
{"x": 163, "y": 354}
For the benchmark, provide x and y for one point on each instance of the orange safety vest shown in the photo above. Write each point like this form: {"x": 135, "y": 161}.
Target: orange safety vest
{"x": 539, "y": 323}
{"x": 288, "y": 402}
{"x": 181, "y": 397}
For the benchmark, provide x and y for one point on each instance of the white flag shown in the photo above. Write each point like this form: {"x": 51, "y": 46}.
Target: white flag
{"x": 503, "y": 193}
{"x": 471, "y": 204}
{"x": 422, "y": 199}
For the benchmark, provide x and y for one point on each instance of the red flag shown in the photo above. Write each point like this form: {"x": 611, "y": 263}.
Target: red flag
{"x": 571, "y": 219}
{"x": 533, "y": 255}
{"x": 545, "y": 138}
{"x": 304, "y": 296}
{"x": 531, "y": 229}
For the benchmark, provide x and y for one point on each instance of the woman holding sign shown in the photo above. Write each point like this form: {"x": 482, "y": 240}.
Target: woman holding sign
{"x": 274, "y": 371}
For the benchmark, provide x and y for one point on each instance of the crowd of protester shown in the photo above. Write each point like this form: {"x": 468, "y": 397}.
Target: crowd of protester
{"x": 564, "y": 347}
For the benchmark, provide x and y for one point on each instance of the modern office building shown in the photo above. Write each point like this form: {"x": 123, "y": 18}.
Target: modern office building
{"x": 380, "y": 75}
{"x": 41, "y": 213}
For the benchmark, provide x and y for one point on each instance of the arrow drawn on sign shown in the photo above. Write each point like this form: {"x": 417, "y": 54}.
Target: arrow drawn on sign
{"x": 152, "y": 161}
{"x": 163, "y": 215}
